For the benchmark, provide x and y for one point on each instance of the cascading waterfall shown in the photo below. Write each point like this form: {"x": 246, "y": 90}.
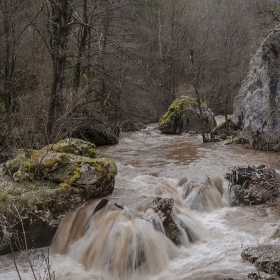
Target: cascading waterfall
{"x": 203, "y": 194}
{"x": 122, "y": 245}
{"x": 127, "y": 243}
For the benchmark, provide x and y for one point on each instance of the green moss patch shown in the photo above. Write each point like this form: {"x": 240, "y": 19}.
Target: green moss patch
{"x": 176, "y": 109}
{"x": 59, "y": 167}
{"x": 73, "y": 146}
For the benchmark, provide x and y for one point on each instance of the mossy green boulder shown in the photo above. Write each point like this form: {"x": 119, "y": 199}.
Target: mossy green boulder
{"x": 184, "y": 115}
{"x": 39, "y": 187}
{"x": 59, "y": 167}
{"x": 73, "y": 146}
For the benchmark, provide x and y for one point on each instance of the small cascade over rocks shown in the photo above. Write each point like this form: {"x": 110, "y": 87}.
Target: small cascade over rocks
{"x": 202, "y": 194}
{"x": 117, "y": 242}
{"x": 128, "y": 243}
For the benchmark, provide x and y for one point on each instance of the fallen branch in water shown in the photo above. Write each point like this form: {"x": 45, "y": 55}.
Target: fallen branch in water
{"x": 119, "y": 205}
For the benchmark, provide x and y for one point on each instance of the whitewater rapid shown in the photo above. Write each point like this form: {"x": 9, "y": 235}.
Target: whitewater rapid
{"x": 149, "y": 165}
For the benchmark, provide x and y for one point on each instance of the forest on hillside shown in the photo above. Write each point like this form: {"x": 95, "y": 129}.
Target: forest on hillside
{"x": 65, "y": 60}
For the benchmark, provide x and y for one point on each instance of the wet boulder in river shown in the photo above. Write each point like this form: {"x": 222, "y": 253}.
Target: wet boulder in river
{"x": 253, "y": 185}
{"x": 265, "y": 257}
{"x": 256, "y": 108}
{"x": 184, "y": 115}
{"x": 163, "y": 208}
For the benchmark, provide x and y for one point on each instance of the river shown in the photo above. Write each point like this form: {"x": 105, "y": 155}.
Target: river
{"x": 151, "y": 164}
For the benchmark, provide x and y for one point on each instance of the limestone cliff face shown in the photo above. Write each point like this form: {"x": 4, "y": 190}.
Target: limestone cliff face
{"x": 256, "y": 108}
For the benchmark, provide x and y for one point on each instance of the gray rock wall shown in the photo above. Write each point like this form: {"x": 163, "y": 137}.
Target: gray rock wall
{"x": 256, "y": 108}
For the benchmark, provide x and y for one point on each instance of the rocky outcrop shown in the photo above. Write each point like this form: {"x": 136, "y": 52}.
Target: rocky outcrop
{"x": 39, "y": 187}
{"x": 265, "y": 257}
{"x": 253, "y": 185}
{"x": 256, "y": 108}
{"x": 94, "y": 127}
{"x": 186, "y": 115}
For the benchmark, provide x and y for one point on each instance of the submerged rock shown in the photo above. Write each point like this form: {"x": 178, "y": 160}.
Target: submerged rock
{"x": 172, "y": 231}
{"x": 253, "y": 185}
{"x": 27, "y": 199}
{"x": 256, "y": 106}
{"x": 185, "y": 115}
{"x": 265, "y": 257}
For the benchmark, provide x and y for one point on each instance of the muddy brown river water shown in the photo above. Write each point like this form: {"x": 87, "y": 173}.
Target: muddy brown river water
{"x": 151, "y": 164}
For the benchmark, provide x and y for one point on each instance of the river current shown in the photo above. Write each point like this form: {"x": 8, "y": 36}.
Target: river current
{"x": 151, "y": 164}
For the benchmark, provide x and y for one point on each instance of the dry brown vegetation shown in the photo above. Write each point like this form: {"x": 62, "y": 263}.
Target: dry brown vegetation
{"x": 125, "y": 59}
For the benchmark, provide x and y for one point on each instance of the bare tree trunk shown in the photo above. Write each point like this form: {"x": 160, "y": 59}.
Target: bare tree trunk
{"x": 195, "y": 81}
{"x": 82, "y": 46}
{"x": 9, "y": 57}
{"x": 61, "y": 12}
{"x": 105, "y": 23}
{"x": 226, "y": 110}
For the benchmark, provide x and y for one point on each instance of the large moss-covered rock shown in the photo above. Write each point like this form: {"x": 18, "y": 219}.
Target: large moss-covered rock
{"x": 256, "y": 108}
{"x": 185, "y": 115}
{"x": 67, "y": 169}
{"x": 73, "y": 146}
{"x": 39, "y": 187}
